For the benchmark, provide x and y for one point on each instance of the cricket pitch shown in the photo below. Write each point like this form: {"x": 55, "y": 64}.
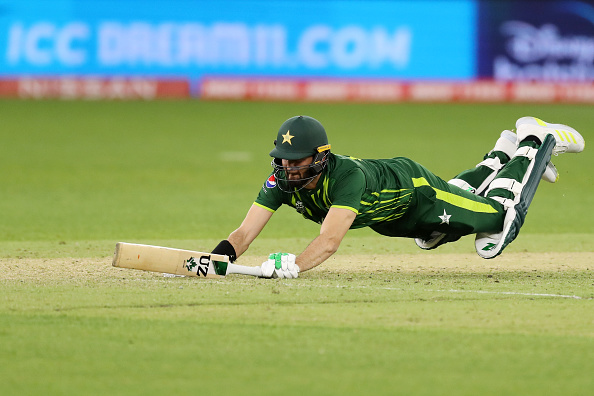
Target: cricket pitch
{"x": 89, "y": 269}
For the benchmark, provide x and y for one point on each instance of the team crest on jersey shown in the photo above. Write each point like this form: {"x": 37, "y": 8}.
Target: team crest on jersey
{"x": 270, "y": 182}
{"x": 299, "y": 207}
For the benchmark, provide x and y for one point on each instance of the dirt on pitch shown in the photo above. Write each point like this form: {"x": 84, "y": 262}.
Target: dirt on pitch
{"x": 89, "y": 269}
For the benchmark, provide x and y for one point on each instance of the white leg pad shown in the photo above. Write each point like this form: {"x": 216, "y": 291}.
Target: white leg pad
{"x": 489, "y": 245}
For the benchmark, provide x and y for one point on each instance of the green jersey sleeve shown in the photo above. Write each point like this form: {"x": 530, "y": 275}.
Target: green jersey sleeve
{"x": 347, "y": 190}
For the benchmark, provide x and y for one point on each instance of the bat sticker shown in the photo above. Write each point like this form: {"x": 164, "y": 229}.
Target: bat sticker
{"x": 202, "y": 265}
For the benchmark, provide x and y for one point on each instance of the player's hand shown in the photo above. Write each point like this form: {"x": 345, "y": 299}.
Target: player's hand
{"x": 280, "y": 265}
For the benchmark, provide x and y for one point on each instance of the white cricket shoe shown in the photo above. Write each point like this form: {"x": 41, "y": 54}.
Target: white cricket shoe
{"x": 568, "y": 139}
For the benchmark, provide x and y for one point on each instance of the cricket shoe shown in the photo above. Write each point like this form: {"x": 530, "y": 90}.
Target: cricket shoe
{"x": 490, "y": 245}
{"x": 435, "y": 240}
{"x": 568, "y": 140}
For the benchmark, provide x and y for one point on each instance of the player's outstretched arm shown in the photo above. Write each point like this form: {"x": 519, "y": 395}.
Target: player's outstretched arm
{"x": 286, "y": 265}
{"x": 250, "y": 228}
{"x": 334, "y": 228}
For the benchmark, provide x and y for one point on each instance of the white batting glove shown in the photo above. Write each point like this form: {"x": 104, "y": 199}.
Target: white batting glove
{"x": 280, "y": 265}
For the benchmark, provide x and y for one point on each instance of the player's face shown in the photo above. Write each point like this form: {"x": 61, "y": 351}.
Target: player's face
{"x": 297, "y": 171}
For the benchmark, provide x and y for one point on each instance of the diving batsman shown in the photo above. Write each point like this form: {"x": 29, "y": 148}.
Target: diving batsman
{"x": 398, "y": 197}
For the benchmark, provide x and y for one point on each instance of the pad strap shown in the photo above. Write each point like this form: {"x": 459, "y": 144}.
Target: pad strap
{"x": 508, "y": 184}
{"x": 507, "y": 203}
{"x": 493, "y": 163}
{"x": 526, "y": 151}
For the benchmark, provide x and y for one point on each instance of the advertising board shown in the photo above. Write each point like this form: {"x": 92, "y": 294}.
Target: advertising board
{"x": 549, "y": 41}
{"x": 379, "y": 39}
{"x": 333, "y": 50}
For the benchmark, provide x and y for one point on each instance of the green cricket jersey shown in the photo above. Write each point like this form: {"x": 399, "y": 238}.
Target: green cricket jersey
{"x": 374, "y": 189}
{"x": 394, "y": 197}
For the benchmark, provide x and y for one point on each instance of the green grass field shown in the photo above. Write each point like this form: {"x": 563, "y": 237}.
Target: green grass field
{"x": 380, "y": 317}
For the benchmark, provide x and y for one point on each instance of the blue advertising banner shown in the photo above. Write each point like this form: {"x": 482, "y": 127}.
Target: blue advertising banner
{"x": 429, "y": 39}
{"x": 536, "y": 40}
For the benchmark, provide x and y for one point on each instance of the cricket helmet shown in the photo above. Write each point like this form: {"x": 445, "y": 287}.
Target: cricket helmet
{"x": 301, "y": 137}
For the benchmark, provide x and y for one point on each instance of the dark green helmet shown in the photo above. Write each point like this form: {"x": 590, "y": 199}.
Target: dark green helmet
{"x": 300, "y": 137}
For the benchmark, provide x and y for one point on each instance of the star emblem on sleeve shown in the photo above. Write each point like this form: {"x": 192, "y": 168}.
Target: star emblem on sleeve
{"x": 287, "y": 137}
{"x": 445, "y": 219}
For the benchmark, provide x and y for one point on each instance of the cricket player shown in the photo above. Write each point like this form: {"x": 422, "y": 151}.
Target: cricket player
{"x": 398, "y": 197}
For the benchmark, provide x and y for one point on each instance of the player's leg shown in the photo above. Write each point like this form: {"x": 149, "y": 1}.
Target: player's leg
{"x": 476, "y": 180}
{"x": 515, "y": 186}
{"x": 440, "y": 207}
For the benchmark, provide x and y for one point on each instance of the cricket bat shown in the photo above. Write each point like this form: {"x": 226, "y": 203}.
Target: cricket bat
{"x": 177, "y": 261}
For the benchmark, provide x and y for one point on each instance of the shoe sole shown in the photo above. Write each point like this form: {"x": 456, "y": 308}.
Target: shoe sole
{"x": 436, "y": 242}
{"x": 550, "y": 174}
{"x": 429, "y": 244}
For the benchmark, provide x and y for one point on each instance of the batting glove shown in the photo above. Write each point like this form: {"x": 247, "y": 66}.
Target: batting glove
{"x": 280, "y": 265}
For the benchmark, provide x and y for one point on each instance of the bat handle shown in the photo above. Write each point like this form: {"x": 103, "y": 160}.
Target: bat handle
{"x": 243, "y": 270}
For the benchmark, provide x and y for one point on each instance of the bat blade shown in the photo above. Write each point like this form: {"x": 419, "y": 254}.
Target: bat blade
{"x": 169, "y": 260}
